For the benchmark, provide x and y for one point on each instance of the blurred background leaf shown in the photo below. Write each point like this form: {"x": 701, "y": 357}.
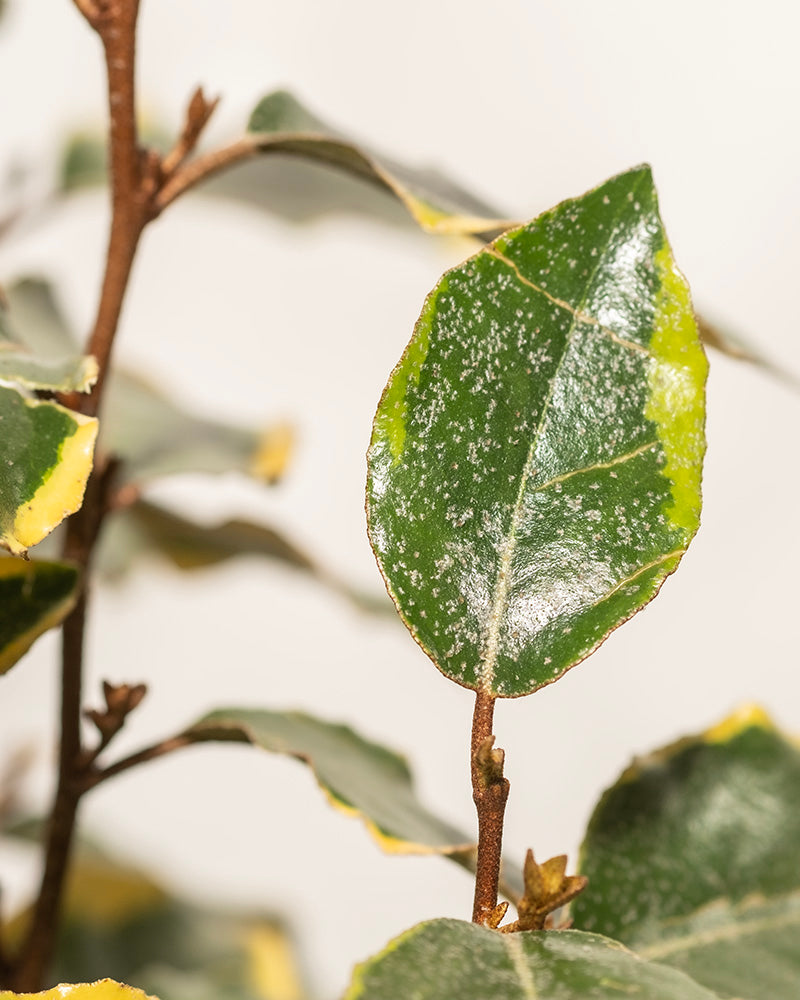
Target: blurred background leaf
{"x": 120, "y": 923}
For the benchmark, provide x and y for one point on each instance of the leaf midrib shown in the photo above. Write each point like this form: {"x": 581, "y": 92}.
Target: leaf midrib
{"x": 486, "y": 671}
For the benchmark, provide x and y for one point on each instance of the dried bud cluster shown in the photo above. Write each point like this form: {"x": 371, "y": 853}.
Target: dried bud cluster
{"x": 121, "y": 700}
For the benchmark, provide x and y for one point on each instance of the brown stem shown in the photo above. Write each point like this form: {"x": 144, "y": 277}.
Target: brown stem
{"x": 134, "y": 179}
{"x": 133, "y": 183}
{"x": 141, "y": 757}
{"x": 37, "y": 949}
{"x": 489, "y": 792}
{"x": 202, "y": 169}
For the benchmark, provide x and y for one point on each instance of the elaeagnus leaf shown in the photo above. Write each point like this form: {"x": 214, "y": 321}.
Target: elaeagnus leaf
{"x": 46, "y": 455}
{"x": 281, "y": 124}
{"x": 449, "y": 959}
{"x": 34, "y": 597}
{"x": 534, "y": 470}
{"x": 104, "y": 989}
{"x": 693, "y": 859}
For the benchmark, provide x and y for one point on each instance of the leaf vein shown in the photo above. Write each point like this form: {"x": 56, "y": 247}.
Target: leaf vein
{"x": 577, "y": 313}
{"x": 500, "y": 599}
{"x": 676, "y": 553}
{"x": 619, "y": 460}
{"x": 728, "y": 932}
{"x": 521, "y": 967}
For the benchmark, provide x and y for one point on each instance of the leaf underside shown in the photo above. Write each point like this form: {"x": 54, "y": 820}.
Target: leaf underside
{"x": 281, "y": 124}
{"x": 693, "y": 859}
{"x": 155, "y": 437}
{"x": 359, "y": 777}
{"x": 146, "y": 527}
{"x": 534, "y": 470}
{"x": 445, "y": 959}
{"x": 57, "y": 371}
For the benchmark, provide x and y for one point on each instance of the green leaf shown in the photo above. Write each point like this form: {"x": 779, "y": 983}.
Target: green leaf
{"x": 745, "y": 950}
{"x": 448, "y": 959}
{"x": 141, "y": 424}
{"x": 281, "y": 124}
{"x": 534, "y": 471}
{"x": 693, "y": 857}
{"x": 712, "y": 817}
{"x": 46, "y": 453}
{"x": 46, "y": 459}
{"x": 84, "y": 161}
{"x": 189, "y": 545}
{"x": 154, "y": 437}
{"x": 34, "y": 597}
{"x": 105, "y": 989}
{"x": 359, "y": 777}
{"x": 18, "y": 364}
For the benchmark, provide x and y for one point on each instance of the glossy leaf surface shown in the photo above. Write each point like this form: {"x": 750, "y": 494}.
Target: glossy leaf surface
{"x": 448, "y": 959}
{"x": 693, "y": 857}
{"x": 105, "y": 989}
{"x": 47, "y": 455}
{"x": 280, "y": 123}
{"x": 359, "y": 777}
{"x": 34, "y": 597}
{"x": 534, "y": 470}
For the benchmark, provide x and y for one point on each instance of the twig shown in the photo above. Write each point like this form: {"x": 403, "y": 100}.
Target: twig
{"x": 489, "y": 792}
{"x": 121, "y": 700}
{"x": 153, "y": 752}
{"x": 202, "y": 168}
{"x": 90, "y": 10}
{"x": 134, "y": 177}
{"x": 39, "y": 943}
{"x": 198, "y": 114}
{"x": 132, "y": 186}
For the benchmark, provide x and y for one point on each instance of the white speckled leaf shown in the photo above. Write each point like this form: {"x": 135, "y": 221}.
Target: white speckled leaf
{"x": 453, "y": 960}
{"x": 534, "y": 470}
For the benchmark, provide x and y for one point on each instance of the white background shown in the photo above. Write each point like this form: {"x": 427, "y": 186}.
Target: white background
{"x": 246, "y": 314}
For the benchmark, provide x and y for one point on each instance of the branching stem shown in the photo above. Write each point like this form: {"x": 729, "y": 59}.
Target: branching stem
{"x": 132, "y": 189}
{"x": 142, "y": 185}
{"x": 153, "y": 752}
{"x": 202, "y": 168}
{"x": 489, "y": 792}
{"x": 37, "y": 948}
